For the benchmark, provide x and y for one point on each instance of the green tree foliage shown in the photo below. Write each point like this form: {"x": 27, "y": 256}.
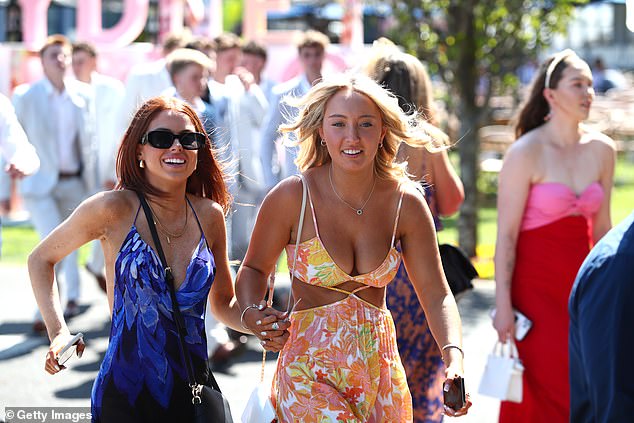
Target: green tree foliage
{"x": 463, "y": 40}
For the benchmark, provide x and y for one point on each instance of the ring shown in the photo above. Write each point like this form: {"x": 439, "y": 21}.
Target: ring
{"x": 275, "y": 326}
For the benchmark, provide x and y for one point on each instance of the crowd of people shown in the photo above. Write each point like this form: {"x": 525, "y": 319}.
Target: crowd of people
{"x": 348, "y": 174}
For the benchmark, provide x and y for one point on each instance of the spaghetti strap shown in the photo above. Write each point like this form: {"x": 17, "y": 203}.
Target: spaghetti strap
{"x": 398, "y": 213}
{"x": 312, "y": 208}
{"x": 343, "y": 291}
{"x": 195, "y": 215}
{"x": 137, "y": 214}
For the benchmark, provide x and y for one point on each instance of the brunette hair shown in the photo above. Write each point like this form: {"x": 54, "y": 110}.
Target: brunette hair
{"x": 255, "y": 48}
{"x": 536, "y": 108}
{"x": 404, "y": 75}
{"x": 400, "y": 127}
{"x": 207, "y": 181}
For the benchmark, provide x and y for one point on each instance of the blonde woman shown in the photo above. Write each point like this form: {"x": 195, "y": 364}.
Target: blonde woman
{"x": 405, "y": 76}
{"x": 341, "y": 360}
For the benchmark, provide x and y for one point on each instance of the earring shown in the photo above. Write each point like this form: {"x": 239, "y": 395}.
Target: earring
{"x": 548, "y": 116}
{"x": 323, "y": 143}
{"x": 380, "y": 145}
{"x": 142, "y": 164}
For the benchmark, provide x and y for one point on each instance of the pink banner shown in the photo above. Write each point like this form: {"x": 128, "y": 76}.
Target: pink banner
{"x": 89, "y": 26}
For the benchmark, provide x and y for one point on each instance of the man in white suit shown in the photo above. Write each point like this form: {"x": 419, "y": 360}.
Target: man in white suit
{"x": 108, "y": 95}
{"x": 311, "y": 49}
{"x": 242, "y": 106}
{"x": 57, "y": 118}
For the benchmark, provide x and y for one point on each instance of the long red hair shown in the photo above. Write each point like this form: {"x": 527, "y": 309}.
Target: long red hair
{"x": 207, "y": 181}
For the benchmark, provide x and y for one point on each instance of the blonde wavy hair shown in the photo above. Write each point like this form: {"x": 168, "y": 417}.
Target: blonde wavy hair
{"x": 303, "y": 129}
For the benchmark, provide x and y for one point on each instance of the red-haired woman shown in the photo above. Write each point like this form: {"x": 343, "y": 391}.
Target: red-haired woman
{"x": 165, "y": 157}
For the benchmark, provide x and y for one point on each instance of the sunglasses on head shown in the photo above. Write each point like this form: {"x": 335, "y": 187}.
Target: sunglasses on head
{"x": 164, "y": 139}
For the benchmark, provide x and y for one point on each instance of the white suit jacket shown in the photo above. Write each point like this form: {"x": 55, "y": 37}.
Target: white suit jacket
{"x": 108, "y": 97}
{"x": 240, "y": 111}
{"x": 144, "y": 81}
{"x": 278, "y": 113}
{"x": 32, "y": 109}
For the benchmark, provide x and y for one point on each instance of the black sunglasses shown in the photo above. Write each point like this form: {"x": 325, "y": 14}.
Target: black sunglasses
{"x": 164, "y": 139}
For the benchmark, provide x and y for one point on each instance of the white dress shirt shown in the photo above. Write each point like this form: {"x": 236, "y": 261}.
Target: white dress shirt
{"x": 66, "y": 131}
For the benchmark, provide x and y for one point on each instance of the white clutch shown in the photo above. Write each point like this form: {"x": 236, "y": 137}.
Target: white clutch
{"x": 502, "y": 378}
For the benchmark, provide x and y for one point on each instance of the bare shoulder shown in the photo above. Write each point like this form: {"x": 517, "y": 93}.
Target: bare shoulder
{"x": 413, "y": 203}
{"x": 111, "y": 205}
{"x": 598, "y": 140}
{"x": 285, "y": 195}
{"x": 210, "y": 214}
{"x": 527, "y": 147}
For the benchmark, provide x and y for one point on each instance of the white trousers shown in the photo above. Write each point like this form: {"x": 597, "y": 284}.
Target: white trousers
{"x": 47, "y": 212}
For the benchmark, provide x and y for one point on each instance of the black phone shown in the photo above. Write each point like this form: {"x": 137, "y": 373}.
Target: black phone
{"x": 454, "y": 395}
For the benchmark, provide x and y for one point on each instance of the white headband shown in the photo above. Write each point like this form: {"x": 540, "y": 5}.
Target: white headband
{"x": 553, "y": 64}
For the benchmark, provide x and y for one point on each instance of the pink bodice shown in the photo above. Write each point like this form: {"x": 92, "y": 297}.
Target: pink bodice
{"x": 551, "y": 201}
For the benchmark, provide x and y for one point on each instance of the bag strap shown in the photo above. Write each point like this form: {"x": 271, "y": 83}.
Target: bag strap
{"x": 271, "y": 280}
{"x": 178, "y": 317}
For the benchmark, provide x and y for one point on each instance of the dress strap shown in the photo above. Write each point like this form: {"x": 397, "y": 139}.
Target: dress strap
{"x": 137, "y": 214}
{"x": 343, "y": 291}
{"x": 195, "y": 215}
{"x": 398, "y": 213}
{"x": 312, "y": 208}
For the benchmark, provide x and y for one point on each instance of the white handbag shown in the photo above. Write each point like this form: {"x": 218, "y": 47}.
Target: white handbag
{"x": 502, "y": 378}
{"x": 259, "y": 408}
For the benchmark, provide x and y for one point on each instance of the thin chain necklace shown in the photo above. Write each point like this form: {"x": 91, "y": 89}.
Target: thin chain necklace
{"x": 163, "y": 229}
{"x": 359, "y": 211}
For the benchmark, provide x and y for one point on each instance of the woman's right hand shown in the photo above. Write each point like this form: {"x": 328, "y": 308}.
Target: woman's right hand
{"x": 269, "y": 325}
{"x": 504, "y": 322}
{"x": 51, "y": 365}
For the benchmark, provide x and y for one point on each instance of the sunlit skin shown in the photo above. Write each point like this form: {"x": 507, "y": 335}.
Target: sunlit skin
{"x": 574, "y": 93}
{"x": 83, "y": 65}
{"x": 352, "y": 129}
{"x": 312, "y": 59}
{"x": 190, "y": 82}
{"x": 226, "y": 62}
{"x": 55, "y": 60}
{"x": 254, "y": 64}
{"x": 160, "y": 170}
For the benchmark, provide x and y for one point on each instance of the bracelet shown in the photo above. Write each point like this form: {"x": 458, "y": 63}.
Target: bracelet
{"x": 446, "y": 347}
{"x": 244, "y": 312}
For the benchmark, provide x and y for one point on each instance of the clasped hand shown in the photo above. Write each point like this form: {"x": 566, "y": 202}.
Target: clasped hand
{"x": 267, "y": 324}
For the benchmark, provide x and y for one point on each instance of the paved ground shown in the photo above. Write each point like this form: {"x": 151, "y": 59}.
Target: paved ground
{"x": 23, "y": 381}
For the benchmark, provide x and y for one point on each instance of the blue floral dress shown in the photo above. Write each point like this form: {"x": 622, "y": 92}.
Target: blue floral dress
{"x": 142, "y": 376}
{"x": 418, "y": 350}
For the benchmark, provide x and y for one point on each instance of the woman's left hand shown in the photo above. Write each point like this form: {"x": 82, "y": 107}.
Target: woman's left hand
{"x": 452, "y": 375}
{"x": 269, "y": 325}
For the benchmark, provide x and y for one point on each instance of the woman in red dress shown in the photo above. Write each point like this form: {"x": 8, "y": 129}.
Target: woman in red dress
{"x": 553, "y": 204}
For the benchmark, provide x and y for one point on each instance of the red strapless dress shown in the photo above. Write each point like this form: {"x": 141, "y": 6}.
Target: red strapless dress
{"x": 555, "y": 238}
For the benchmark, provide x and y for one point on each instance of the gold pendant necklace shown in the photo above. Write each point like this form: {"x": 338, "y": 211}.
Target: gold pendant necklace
{"x": 163, "y": 229}
{"x": 359, "y": 211}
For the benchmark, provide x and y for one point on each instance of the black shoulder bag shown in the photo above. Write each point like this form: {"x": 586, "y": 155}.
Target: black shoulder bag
{"x": 458, "y": 269}
{"x": 209, "y": 403}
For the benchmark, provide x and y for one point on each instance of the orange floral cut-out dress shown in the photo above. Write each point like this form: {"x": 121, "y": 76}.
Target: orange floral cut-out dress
{"x": 341, "y": 361}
